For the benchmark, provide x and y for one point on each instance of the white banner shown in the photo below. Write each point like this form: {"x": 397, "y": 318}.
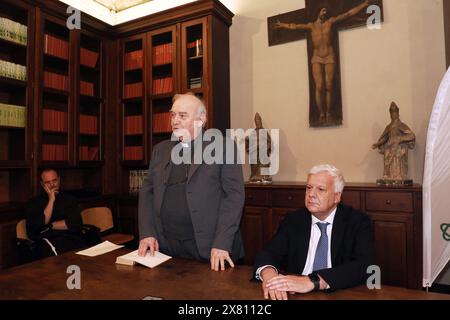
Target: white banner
{"x": 436, "y": 187}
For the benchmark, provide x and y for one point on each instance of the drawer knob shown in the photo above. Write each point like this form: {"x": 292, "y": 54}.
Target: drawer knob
{"x": 290, "y": 197}
{"x": 388, "y": 201}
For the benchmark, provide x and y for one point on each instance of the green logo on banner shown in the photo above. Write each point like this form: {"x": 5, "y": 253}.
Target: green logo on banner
{"x": 445, "y": 227}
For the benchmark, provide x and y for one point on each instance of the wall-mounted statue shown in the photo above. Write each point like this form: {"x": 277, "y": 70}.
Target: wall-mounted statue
{"x": 394, "y": 143}
{"x": 259, "y": 146}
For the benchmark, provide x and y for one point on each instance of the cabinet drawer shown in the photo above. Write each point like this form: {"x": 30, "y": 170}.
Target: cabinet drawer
{"x": 288, "y": 198}
{"x": 389, "y": 201}
{"x": 254, "y": 197}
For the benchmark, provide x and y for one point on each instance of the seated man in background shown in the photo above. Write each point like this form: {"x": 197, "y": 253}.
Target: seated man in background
{"x": 326, "y": 245}
{"x": 53, "y": 219}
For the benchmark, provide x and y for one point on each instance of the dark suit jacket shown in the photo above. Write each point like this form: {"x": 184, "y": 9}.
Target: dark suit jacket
{"x": 352, "y": 247}
{"x": 215, "y": 196}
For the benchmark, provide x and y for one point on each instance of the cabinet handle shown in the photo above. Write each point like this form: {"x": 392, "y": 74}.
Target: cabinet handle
{"x": 388, "y": 201}
{"x": 290, "y": 197}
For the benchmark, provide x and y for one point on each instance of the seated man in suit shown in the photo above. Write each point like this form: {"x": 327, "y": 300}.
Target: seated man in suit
{"x": 326, "y": 245}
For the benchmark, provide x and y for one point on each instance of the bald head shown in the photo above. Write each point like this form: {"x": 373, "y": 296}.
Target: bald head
{"x": 188, "y": 114}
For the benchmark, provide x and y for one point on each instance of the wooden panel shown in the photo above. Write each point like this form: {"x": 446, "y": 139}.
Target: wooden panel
{"x": 389, "y": 201}
{"x": 351, "y": 198}
{"x": 291, "y": 198}
{"x": 256, "y": 197}
{"x": 128, "y": 220}
{"x": 393, "y": 247}
{"x": 8, "y": 248}
{"x": 253, "y": 229}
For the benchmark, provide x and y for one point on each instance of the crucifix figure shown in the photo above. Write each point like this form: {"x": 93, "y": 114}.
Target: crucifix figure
{"x": 323, "y": 51}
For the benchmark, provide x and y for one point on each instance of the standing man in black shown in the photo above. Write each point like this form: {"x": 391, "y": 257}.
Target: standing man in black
{"x": 53, "y": 218}
{"x": 191, "y": 210}
{"x": 326, "y": 245}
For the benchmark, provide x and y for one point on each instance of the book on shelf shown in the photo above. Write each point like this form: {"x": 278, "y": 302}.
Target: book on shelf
{"x": 161, "y": 122}
{"x": 56, "y": 47}
{"x": 13, "y": 31}
{"x": 162, "y": 54}
{"x": 88, "y": 57}
{"x": 56, "y": 81}
{"x": 88, "y": 153}
{"x": 132, "y": 90}
{"x": 54, "y": 120}
{"x": 86, "y": 88}
{"x": 133, "y": 153}
{"x": 162, "y": 85}
{"x": 195, "y": 82}
{"x": 54, "y": 152}
{"x": 88, "y": 124}
{"x": 136, "y": 179}
{"x": 133, "y": 125}
{"x": 195, "y": 48}
{"x": 12, "y": 115}
{"x": 134, "y": 60}
{"x": 13, "y": 70}
{"x": 149, "y": 261}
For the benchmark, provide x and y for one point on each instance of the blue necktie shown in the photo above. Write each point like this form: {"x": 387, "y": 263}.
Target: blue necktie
{"x": 321, "y": 257}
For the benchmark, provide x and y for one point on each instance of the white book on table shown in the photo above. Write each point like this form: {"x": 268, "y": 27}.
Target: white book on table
{"x": 149, "y": 261}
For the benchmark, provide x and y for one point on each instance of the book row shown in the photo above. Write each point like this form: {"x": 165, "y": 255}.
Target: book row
{"x": 133, "y": 153}
{"x": 161, "y": 122}
{"x": 56, "y": 81}
{"x": 56, "y": 47}
{"x": 54, "y": 120}
{"x": 162, "y": 54}
{"x": 133, "y": 125}
{"x": 13, "y": 70}
{"x": 12, "y": 115}
{"x": 136, "y": 179}
{"x": 162, "y": 85}
{"x": 134, "y": 60}
{"x": 88, "y": 153}
{"x": 88, "y": 124}
{"x": 54, "y": 152}
{"x": 13, "y": 31}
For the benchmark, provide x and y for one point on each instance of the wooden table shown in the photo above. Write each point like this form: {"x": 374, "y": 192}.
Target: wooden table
{"x": 178, "y": 279}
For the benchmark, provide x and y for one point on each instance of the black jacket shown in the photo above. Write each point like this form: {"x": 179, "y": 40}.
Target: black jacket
{"x": 352, "y": 247}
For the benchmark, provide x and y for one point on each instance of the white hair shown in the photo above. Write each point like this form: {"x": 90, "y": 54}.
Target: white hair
{"x": 332, "y": 171}
{"x": 201, "y": 109}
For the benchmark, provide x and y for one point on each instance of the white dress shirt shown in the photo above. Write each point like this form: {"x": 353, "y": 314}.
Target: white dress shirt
{"x": 313, "y": 241}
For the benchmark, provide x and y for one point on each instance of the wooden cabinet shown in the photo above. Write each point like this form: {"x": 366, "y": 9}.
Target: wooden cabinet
{"x": 16, "y": 93}
{"x": 185, "y": 49}
{"x": 396, "y": 214}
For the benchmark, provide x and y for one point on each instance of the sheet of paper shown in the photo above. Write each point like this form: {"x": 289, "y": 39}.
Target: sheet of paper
{"x": 148, "y": 260}
{"x": 99, "y": 249}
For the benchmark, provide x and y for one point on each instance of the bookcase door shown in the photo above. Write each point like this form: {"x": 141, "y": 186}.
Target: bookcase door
{"x": 55, "y": 110}
{"x": 90, "y": 102}
{"x": 134, "y": 139}
{"x": 194, "y": 57}
{"x": 163, "y": 77}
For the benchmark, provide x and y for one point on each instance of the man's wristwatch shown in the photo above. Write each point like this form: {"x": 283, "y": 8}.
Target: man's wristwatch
{"x": 314, "y": 277}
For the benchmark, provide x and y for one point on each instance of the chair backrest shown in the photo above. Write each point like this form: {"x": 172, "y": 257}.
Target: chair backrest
{"x": 21, "y": 229}
{"x": 100, "y": 217}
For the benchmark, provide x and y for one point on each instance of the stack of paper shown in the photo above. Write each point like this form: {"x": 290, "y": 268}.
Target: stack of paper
{"x": 99, "y": 249}
{"x": 148, "y": 261}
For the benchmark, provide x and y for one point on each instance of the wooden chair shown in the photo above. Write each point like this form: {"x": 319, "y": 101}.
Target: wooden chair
{"x": 102, "y": 218}
{"x": 21, "y": 230}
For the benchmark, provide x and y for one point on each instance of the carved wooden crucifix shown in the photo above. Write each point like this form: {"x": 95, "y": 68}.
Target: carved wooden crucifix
{"x": 320, "y": 22}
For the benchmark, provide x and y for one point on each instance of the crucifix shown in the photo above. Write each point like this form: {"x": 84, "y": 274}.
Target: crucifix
{"x": 320, "y": 22}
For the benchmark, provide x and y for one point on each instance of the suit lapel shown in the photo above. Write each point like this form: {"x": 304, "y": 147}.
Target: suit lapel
{"x": 303, "y": 243}
{"x": 167, "y": 167}
{"x": 198, "y": 143}
{"x": 337, "y": 234}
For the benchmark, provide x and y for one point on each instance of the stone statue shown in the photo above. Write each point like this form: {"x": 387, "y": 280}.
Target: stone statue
{"x": 394, "y": 143}
{"x": 255, "y": 147}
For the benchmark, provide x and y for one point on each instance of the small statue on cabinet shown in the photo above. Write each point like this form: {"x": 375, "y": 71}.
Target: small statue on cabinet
{"x": 259, "y": 148}
{"x": 394, "y": 143}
